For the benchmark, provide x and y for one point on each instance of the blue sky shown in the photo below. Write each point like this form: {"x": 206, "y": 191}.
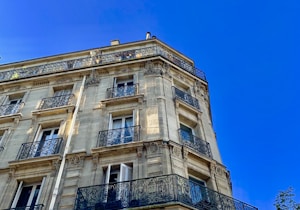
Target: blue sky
{"x": 249, "y": 50}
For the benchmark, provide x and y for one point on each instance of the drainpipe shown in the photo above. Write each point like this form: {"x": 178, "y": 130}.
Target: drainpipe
{"x": 63, "y": 161}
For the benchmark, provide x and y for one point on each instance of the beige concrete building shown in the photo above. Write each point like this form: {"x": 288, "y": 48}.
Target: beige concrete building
{"x": 127, "y": 126}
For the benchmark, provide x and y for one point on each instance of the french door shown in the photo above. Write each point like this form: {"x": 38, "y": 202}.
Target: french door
{"x": 121, "y": 130}
{"x": 47, "y": 142}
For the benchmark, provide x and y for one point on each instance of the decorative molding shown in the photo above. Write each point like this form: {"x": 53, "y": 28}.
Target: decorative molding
{"x": 177, "y": 152}
{"x": 139, "y": 152}
{"x": 152, "y": 69}
{"x": 93, "y": 79}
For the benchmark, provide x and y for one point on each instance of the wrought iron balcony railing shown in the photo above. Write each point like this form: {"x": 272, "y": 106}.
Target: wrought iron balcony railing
{"x": 118, "y": 136}
{"x": 35, "y": 207}
{"x": 122, "y": 91}
{"x": 10, "y": 109}
{"x": 39, "y": 148}
{"x": 100, "y": 59}
{"x": 152, "y": 191}
{"x": 186, "y": 98}
{"x": 195, "y": 143}
{"x": 57, "y": 101}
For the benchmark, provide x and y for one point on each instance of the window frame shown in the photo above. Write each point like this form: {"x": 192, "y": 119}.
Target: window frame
{"x": 21, "y": 186}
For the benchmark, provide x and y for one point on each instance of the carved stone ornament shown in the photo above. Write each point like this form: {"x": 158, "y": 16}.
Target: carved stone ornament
{"x": 167, "y": 70}
{"x": 93, "y": 79}
{"x": 76, "y": 161}
{"x": 152, "y": 69}
{"x": 139, "y": 152}
{"x": 177, "y": 152}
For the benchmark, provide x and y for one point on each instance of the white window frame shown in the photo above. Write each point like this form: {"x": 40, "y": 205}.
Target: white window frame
{"x": 124, "y": 173}
{"x": 125, "y": 81}
{"x": 122, "y": 132}
{"x": 14, "y": 102}
{"x": 42, "y": 141}
{"x": 29, "y": 202}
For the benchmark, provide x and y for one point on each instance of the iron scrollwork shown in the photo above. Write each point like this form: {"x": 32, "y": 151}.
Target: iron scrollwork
{"x": 155, "y": 190}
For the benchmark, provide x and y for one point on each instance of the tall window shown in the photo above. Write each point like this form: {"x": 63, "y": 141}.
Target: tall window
{"x": 198, "y": 190}
{"x": 27, "y": 196}
{"x": 12, "y": 104}
{"x": 115, "y": 176}
{"x": 186, "y": 133}
{"x": 47, "y": 142}
{"x": 123, "y": 86}
{"x": 121, "y": 130}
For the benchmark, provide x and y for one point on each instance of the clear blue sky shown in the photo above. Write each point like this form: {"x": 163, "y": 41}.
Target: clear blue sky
{"x": 249, "y": 50}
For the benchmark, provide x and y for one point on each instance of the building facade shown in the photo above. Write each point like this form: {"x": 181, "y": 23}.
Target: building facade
{"x": 118, "y": 127}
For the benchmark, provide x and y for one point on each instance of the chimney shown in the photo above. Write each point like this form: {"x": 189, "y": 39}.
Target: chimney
{"x": 114, "y": 42}
{"x": 148, "y": 35}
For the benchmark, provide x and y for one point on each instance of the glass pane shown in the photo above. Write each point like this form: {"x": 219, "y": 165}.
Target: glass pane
{"x": 24, "y": 196}
{"x": 186, "y": 133}
{"x": 36, "y": 193}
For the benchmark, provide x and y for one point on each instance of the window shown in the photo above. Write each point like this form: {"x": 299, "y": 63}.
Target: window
{"x": 12, "y": 104}
{"x": 123, "y": 86}
{"x": 27, "y": 196}
{"x": 115, "y": 177}
{"x": 198, "y": 190}
{"x": 121, "y": 130}
{"x": 47, "y": 142}
{"x": 186, "y": 133}
{"x": 61, "y": 97}
{"x": 2, "y": 133}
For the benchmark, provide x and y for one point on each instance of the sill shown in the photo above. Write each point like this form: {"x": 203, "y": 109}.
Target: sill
{"x": 186, "y": 106}
{"x": 11, "y": 117}
{"x": 36, "y": 161}
{"x": 126, "y": 99}
{"x": 55, "y": 110}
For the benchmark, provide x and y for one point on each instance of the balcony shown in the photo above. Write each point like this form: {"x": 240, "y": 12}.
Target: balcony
{"x": 118, "y": 136}
{"x": 159, "y": 191}
{"x": 122, "y": 91}
{"x": 57, "y": 101}
{"x": 10, "y": 109}
{"x": 195, "y": 143}
{"x": 39, "y": 148}
{"x": 101, "y": 59}
{"x": 186, "y": 98}
{"x": 35, "y": 207}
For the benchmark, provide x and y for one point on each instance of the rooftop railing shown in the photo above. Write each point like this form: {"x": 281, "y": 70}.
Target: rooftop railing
{"x": 186, "y": 98}
{"x": 195, "y": 143}
{"x": 10, "y": 109}
{"x": 118, "y": 136}
{"x": 159, "y": 190}
{"x": 122, "y": 91}
{"x": 39, "y": 148}
{"x": 100, "y": 59}
{"x": 56, "y": 101}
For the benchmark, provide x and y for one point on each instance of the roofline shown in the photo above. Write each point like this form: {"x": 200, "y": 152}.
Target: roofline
{"x": 83, "y": 52}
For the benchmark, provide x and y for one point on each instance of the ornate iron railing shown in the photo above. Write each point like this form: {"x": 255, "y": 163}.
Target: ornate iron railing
{"x": 39, "y": 148}
{"x": 118, "y": 136}
{"x": 100, "y": 59}
{"x": 152, "y": 191}
{"x": 35, "y": 207}
{"x": 127, "y": 90}
{"x": 10, "y": 109}
{"x": 195, "y": 143}
{"x": 57, "y": 101}
{"x": 185, "y": 97}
